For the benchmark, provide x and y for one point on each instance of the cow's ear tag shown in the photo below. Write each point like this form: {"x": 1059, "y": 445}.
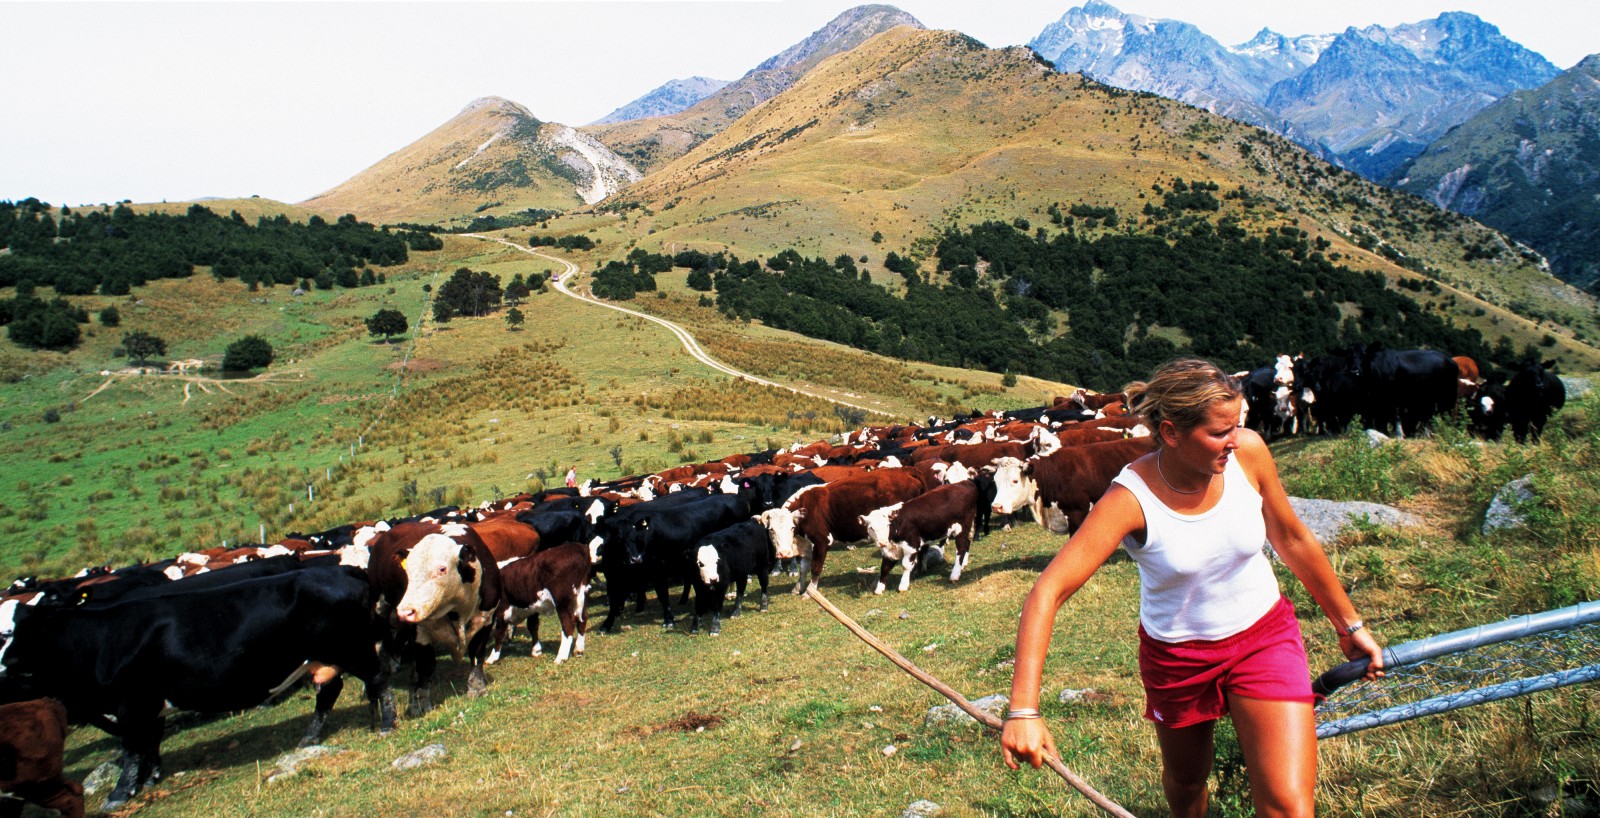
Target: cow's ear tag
{"x": 402, "y": 565}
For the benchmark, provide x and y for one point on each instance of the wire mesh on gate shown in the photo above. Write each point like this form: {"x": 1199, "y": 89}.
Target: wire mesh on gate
{"x": 1468, "y": 667}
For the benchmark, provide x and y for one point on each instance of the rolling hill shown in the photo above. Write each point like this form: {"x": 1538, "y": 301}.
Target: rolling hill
{"x": 493, "y": 157}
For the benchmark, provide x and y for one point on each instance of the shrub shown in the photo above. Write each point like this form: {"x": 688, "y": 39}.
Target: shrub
{"x": 247, "y": 353}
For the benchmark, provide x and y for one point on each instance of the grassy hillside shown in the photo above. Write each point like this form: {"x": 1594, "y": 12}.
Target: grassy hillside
{"x": 141, "y": 467}
{"x": 252, "y": 209}
{"x": 916, "y": 131}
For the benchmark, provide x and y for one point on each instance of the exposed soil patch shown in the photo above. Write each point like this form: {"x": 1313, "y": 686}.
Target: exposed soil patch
{"x": 690, "y": 722}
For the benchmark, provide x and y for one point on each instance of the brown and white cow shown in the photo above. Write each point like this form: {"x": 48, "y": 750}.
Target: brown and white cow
{"x": 32, "y": 739}
{"x": 440, "y": 587}
{"x": 904, "y": 532}
{"x": 507, "y": 538}
{"x": 1469, "y": 379}
{"x": 831, "y": 513}
{"x": 1070, "y": 480}
{"x": 555, "y": 580}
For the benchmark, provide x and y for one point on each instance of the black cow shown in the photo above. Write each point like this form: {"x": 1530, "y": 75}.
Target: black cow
{"x": 1533, "y": 394}
{"x": 1404, "y": 389}
{"x": 218, "y": 649}
{"x": 555, "y": 527}
{"x": 768, "y": 491}
{"x": 658, "y": 538}
{"x": 625, "y": 577}
{"x": 732, "y": 554}
{"x": 1330, "y": 387}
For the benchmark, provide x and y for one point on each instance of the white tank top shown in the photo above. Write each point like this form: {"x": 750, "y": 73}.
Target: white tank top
{"x": 1202, "y": 576}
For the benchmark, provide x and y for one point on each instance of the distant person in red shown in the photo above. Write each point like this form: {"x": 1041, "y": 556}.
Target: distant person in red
{"x": 572, "y": 477}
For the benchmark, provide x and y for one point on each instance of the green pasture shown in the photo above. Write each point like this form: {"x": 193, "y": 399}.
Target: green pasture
{"x": 787, "y": 712}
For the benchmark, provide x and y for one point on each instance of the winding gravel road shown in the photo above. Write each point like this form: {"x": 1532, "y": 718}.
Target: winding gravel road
{"x": 690, "y": 345}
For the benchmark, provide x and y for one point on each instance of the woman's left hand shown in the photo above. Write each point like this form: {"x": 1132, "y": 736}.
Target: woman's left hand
{"x": 1359, "y": 644}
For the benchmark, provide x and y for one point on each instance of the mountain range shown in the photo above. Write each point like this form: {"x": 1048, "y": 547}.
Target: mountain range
{"x": 1368, "y": 99}
{"x": 651, "y": 143}
{"x": 873, "y": 130}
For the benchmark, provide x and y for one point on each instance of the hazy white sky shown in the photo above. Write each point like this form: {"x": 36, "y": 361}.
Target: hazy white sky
{"x": 105, "y": 101}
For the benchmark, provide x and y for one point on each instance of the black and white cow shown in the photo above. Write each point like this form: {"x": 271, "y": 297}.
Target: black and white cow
{"x": 730, "y": 555}
{"x": 226, "y": 647}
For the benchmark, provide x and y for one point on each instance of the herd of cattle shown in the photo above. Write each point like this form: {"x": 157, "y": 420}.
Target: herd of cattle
{"x": 228, "y": 629}
{"x": 1397, "y": 391}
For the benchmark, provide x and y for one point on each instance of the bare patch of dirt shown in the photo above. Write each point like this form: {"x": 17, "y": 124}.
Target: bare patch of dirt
{"x": 418, "y": 365}
{"x": 690, "y": 722}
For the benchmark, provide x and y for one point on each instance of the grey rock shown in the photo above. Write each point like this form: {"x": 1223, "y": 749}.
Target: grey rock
{"x": 1327, "y": 518}
{"x": 102, "y": 777}
{"x": 1376, "y": 438}
{"x": 289, "y": 763}
{"x": 1070, "y": 696}
{"x": 1502, "y": 511}
{"x": 1576, "y": 387}
{"x": 922, "y": 809}
{"x": 950, "y": 714}
{"x": 427, "y": 755}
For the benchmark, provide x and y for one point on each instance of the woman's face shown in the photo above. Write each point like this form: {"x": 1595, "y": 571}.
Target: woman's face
{"x": 1208, "y": 445}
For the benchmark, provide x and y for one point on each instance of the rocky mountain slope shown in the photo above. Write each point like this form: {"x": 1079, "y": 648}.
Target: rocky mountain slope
{"x": 650, "y": 144}
{"x": 1529, "y": 165}
{"x": 1369, "y": 99}
{"x": 670, "y": 98}
{"x": 494, "y": 156}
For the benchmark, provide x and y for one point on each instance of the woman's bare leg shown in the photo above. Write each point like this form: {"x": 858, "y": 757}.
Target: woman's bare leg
{"x": 1279, "y": 740}
{"x": 1186, "y": 754}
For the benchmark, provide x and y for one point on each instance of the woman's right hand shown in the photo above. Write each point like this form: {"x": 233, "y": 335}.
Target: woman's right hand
{"x": 1026, "y": 740}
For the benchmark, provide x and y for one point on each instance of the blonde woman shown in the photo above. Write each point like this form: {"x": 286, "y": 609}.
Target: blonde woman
{"x": 1216, "y": 637}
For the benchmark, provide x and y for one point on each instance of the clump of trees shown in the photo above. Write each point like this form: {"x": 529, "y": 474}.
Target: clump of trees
{"x": 575, "y": 242}
{"x": 468, "y": 293}
{"x": 112, "y": 250}
{"x": 387, "y": 322}
{"x": 247, "y": 353}
{"x": 1127, "y": 300}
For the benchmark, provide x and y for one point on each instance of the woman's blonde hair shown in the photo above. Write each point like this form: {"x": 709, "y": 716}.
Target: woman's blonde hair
{"x": 1181, "y": 391}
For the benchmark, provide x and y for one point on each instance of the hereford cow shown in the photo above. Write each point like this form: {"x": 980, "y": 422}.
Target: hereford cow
{"x": 555, "y": 580}
{"x": 507, "y": 537}
{"x": 904, "y": 532}
{"x": 831, "y": 513}
{"x": 1070, "y": 480}
{"x": 32, "y": 739}
{"x": 440, "y": 587}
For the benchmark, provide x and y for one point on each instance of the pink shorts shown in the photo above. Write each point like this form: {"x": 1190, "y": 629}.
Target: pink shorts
{"x": 1186, "y": 683}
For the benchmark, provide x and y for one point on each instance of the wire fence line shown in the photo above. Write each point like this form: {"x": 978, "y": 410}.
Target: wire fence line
{"x": 359, "y": 443}
{"x": 1472, "y": 666}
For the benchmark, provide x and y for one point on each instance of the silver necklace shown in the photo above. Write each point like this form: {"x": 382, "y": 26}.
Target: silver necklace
{"x": 1161, "y": 474}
